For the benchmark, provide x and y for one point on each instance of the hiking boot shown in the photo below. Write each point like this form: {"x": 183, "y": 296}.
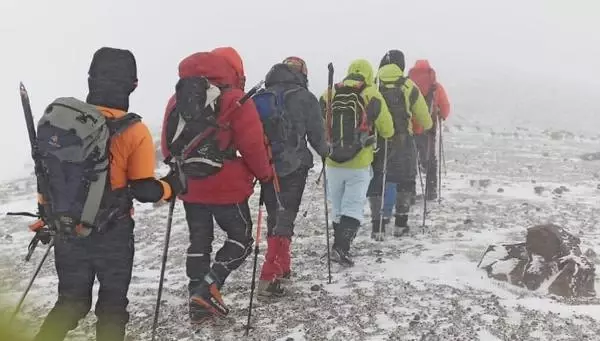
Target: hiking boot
{"x": 378, "y": 234}
{"x": 270, "y": 288}
{"x": 400, "y": 231}
{"x": 209, "y": 297}
{"x": 198, "y": 314}
{"x": 341, "y": 257}
{"x": 401, "y": 225}
{"x": 286, "y": 278}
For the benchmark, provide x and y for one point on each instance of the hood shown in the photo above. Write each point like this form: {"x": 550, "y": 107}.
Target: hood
{"x": 362, "y": 67}
{"x": 390, "y": 73}
{"x": 283, "y": 74}
{"x": 210, "y": 65}
{"x": 422, "y": 64}
{"x": 234, "y": 59}
{"x": 393, "y": 57}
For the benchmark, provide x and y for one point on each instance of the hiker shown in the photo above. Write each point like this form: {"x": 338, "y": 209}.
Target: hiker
{"x": 220, "y": 170}
{"x": 439, "y": 107}
{"x": 407, "y": 105}
{"x": 291, "y": 115}
{"x": 105, "y": 249}
{"x": 358, "y": 113}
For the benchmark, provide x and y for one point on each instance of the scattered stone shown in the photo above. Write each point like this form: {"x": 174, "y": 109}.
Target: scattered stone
{"x": 289, "y": 339}
{"x": 485, "y": 183}
{"x": 533, "y": 181}
{"x": 539, "y": 190}
{"x": 315, "y": 287}
{"x": 590, "y": 156}
{"x": 545, "y": 154}
{"x": 460, "y": 235}
{"x": 468, "y": 221}
{"x": 590, "y": 253}
{"x": 500, "y": 190}
{"x": 560, "y": 190}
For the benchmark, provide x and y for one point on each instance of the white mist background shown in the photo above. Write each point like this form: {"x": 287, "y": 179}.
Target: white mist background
{"x": 527, "y": 63}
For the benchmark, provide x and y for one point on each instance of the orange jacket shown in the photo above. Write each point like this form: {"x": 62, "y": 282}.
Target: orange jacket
{"x": 133, "y": 156}
{"x": 441, "y": 104}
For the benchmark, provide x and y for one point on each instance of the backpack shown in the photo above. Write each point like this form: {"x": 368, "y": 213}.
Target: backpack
{"x": 393, "y": 93}
{"x": 277, "y": 125}
{"x": 425, "y": 79}
{"x": 349, "y": 128}
{"x": 192, "y": 128}
{"x": 73, "y": 139}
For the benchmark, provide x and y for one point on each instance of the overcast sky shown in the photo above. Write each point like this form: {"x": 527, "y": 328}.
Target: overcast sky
{"x": 527, "y": 62}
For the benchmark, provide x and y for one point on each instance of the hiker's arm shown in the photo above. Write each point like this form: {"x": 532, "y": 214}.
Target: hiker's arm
{"x": 442, "y": 101}
{"x": 419, "y": 109}
{"x": 249, "y": 139}
{"x": 378, "y": 109}
{"x": 140, "y": 167}
{"x": 315, "y": 124}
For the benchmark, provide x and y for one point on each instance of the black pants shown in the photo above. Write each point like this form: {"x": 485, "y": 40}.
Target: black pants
{"x": 426, "y": 143}
{"x": 235, "y": 220}
{"x": 280, "y": 222}
{"x": 107, "y": 256}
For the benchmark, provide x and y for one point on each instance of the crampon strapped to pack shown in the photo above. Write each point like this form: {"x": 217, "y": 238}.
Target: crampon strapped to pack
{"x": 349, "y": 128}
{"x": 193, "y": 125}
{"x": 73, "y": 141}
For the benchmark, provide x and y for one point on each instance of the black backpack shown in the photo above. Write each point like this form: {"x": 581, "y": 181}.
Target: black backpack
{"x": 192, "y": 128}
{"x": 393, "y": 93}
{"x": 350, "y": 129}
{"x": 73, "y": 139}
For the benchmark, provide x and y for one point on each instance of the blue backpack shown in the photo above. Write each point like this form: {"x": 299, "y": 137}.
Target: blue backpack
{"x": 270, "y": 104}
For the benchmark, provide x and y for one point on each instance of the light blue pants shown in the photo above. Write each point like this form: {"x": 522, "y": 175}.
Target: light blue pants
{"x": 347, "y": 189}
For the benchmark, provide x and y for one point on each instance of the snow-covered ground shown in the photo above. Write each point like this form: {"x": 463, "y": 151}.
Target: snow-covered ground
{"x": 422, "y": 287}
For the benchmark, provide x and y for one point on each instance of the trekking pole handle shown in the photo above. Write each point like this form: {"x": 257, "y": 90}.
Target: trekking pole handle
{"x": 251, "y": 93}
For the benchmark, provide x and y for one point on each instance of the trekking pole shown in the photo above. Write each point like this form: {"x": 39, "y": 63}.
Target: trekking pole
{"x": 312, "y": 196}
{"x": 440, "y": 158}
{"x": 385, "y": 160}
{"x": 418, "y": 154}
{"x": 30, "y": 284}
{"x": 327, "y": 125}
{"x": 261, "y": 201}
{"x": 163, "y": 265}
{"x": 427, "y": 167}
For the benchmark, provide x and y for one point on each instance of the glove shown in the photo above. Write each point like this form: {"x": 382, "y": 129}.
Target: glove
{"x": 174, "y": 182}
{"x": 44, "y": 235}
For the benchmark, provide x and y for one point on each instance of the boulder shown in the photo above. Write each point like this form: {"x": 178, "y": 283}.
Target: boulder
{"x": 550, "y": 260}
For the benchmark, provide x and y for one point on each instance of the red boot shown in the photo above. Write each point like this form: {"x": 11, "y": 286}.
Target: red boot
{"x": 284, "y": 257}
{"x": 271, "y": 269}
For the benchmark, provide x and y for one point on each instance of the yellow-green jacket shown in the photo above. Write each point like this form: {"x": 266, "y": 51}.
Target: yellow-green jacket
{"x": 377, "y": 110}
{"x": 416, "y": 106}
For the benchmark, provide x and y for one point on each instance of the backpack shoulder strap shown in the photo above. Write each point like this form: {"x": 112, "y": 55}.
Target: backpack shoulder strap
{"x": 117, "y": 126}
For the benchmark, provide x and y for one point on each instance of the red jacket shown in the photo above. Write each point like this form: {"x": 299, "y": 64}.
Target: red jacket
{"x": 234, "y": 183}
{"x": 441, "y": 105}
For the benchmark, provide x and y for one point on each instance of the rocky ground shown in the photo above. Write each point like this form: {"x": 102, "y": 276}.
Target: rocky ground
{"x": 422, "y": 287}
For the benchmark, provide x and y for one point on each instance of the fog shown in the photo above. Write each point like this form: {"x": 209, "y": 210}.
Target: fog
{"x": 513, "y": 62}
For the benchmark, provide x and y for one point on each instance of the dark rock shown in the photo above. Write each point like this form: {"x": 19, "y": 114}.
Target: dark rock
{"x": 500, "y": 190}
{"x": 551, "y": 242}
{"x": 468, "y": 221}
{"x": 545, "y": 154}
{"x": 315, "y": 287}
{"x": 460, "y": 235}
{"x": 485, "y": 183}
{"x": 539, "y": 190}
